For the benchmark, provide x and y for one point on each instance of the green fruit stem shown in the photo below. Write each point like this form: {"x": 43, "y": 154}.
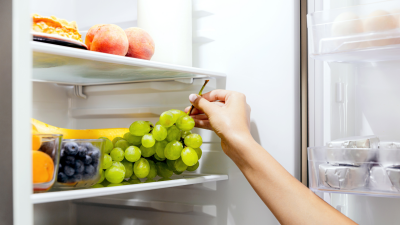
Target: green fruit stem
{"x": 200, "y": 93}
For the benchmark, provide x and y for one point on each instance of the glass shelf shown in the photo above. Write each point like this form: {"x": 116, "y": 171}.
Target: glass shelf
{"x": 66, "y": 65}
{"x": 180, "y": 180}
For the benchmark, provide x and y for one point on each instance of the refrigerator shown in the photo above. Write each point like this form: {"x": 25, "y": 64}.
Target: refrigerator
{"x": 248, "y": 46}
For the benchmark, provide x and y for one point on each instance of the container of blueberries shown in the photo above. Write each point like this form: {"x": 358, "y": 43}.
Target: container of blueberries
{"x": 80, "y": 163}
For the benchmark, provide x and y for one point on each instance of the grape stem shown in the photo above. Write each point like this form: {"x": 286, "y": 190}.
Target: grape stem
{"x": 200, "y": 93}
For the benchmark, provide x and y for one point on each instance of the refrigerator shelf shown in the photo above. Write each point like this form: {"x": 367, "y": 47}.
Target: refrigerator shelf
{"x": 96, "y": 192}
{"x": 361, "y": 171}
{"x": 65, "y": 65}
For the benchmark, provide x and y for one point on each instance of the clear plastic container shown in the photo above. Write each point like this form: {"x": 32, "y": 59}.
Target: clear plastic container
{"x": 360, "y": 31}
{"x": 50, "y": 145}
{"x": 80, "y": 163}
{"x": 377, "y": 171}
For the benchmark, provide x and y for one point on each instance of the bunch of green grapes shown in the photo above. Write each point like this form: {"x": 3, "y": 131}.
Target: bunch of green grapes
{"x": 149, "y": 151}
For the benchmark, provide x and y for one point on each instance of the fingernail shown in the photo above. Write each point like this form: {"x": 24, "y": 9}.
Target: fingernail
{"x": 192, "y": 97}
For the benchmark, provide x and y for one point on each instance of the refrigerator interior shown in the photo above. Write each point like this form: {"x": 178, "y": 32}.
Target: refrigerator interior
{"x": 219, "y": 46}
{"x": 358, "y": 98}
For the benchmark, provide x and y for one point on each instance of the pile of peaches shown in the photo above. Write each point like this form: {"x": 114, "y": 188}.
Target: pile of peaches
{"x": 109, "y": 38}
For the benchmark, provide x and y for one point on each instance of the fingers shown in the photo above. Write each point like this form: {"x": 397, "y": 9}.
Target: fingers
{"x": 217, "y": 95}
{"x": 202, "y": 104}
{"x": 199, "y": 117}
{"x": 205, "y": 124}
{"x": 197, "y": 111}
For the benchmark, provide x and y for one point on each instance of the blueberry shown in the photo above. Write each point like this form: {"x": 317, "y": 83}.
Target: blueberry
{"x": 60, "y": 168}
{"x": 71, "y": 148}
{"x": 79, "y": 166}
{"x": 87, "y": 177}
{"x": 62, "y": 178}
{"x": 69, "y": 171}
{"x": 88, "y": 160}
{"x": 82, "y": 151}
{"x": 88, "y": 145}
{"x": 95, "y": 155}
{"x": 69, "y": 160}
{"x": 62, "y": 154}
{"x": 77, "y": 177}
{"x": 90, "y": 170}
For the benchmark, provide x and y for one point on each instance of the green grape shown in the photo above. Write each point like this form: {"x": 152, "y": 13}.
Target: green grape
{"x": 108, "y": 145}
{"x": 101, "y": 176}
{"x": 132, "y": 139}
{"x": 177, "y": 113}
{"x": 194, "y": 167}
{"x": 128, "y": 168}
{"x": 139, "y": 128}
{"x": 105, "y": 182}
{"x": 153, "y": 169}
{"x": 199, "y": 152}
{"x": 158, "y": 158}
{"x": 160, "y": 132}
{"x": 125, "y": 183}
{"x": 97, "y": 186}
{"x": 115, "y": 175}
{"x": 174, "y": 134}
{"x": 115, "y": 140}
{"x": 150, "y": 180}
{"x": 164, "y": 179}
{"x": 180, "y": 166}
{"x": 117, "y": 154}
{"x": 185, "y": 133}
{"x": 119, "y": 165}
{"x": 107, "y": 161}
{"x": 193, "y": 140}
{"x": 132, "y": 153}
{"x": 171, "y": 164}
{"x": 185, "y": 123}
{"x": 162, "y": 170}
{"x": 167, "y": 119}
{"x": 173, "y": 150}
{"x": 141, "y": 168}
{"x": 147, "y": 152}
{"x": 160, "y": 147}
{"x": 189, "y": 156}
{"x": 115, "y": 185}
{"x": 150, "y": 123}
{"x": 148, "y": 140}
{"x": 177, "y": 173}
{"x": 134, "y": 181}
{"x": 122, "y": 143}
{"x": 134, "y": 177}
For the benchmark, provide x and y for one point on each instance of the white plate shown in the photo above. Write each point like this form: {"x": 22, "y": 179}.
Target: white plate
{"x": 57, "y": 39}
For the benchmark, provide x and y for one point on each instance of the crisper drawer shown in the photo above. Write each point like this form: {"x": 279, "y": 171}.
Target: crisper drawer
{"x": 368, "y": 31}
{"x": 364, "y": 171}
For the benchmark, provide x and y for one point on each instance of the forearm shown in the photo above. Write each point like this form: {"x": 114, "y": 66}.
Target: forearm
{"x": 289, "y": 200}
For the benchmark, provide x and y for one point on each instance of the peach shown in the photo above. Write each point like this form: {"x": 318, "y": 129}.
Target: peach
{"x": 141, "y": 45}
{"x": 107, "y": 38}
{"x": 43, "y": 167}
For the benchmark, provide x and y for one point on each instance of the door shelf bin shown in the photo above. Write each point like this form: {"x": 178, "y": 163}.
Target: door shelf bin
{"x": 368, "y": 32}
{"x": 362, "y": 171}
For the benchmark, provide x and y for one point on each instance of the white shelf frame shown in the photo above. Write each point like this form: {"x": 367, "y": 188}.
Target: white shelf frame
{"x": 186, "y": 179}
{"x": 50, "y": 49}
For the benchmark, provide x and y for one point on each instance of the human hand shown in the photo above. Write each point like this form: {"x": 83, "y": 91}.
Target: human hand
{"x": 224, "y": 112}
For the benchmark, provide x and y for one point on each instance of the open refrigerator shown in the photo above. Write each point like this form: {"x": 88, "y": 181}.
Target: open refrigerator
{"x": 353, "y": 107}
{"x": 251, "y": 47}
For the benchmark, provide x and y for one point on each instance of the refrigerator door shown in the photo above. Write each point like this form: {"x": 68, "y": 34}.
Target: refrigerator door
{"x": 354, "y": 93}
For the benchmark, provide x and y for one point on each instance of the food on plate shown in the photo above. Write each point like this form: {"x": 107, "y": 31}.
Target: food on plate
{"x": 109, "y": 133}
{"x": 54, "y": 25}
{"x": 346, "y": 23}
{"x": 43, "y": 167}
{"x": 107, "y": 38}
{"x": 141, "y": 45}
{"x": 79, "y": 161}
{"x": 380, "y": 21}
